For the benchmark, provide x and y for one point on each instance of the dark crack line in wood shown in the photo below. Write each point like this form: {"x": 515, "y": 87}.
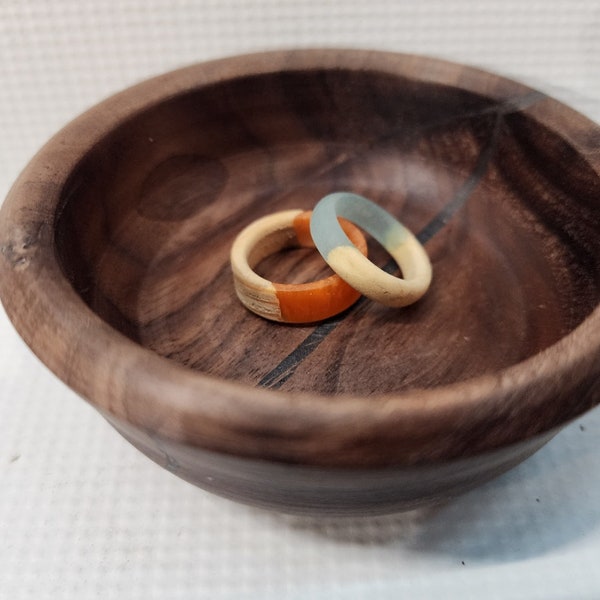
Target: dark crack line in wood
{"x": 287, "y": 367}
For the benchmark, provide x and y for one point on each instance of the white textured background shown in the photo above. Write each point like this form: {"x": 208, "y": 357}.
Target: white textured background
{"x": 84, "y": 515}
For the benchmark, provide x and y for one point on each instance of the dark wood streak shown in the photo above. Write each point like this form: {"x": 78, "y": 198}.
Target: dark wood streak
{"x": 275, "y": 378}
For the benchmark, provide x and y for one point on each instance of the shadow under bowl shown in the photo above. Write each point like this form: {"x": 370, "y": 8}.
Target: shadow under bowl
{"x": 114, "y": 268}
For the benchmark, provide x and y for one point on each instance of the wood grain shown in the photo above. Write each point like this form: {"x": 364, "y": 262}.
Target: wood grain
{"x": 162, "y": 275}
{"x": 114, "y": 265}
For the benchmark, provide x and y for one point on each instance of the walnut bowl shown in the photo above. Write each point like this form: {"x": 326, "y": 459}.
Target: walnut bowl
{"x": 114, "y": 268}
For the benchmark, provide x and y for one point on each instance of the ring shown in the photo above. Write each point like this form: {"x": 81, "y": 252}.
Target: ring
{"x": 355, "y": 268}
{"x": 288, "y": 303}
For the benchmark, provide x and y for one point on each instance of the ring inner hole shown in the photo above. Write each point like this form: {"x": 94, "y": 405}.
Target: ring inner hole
{"x": 293, "y": 265}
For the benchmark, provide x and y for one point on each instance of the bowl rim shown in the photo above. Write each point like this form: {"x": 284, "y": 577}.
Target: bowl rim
{"x": 129, "y": 383}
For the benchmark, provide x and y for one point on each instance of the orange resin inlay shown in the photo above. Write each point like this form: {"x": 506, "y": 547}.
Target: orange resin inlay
{"x": 317, "y": 300}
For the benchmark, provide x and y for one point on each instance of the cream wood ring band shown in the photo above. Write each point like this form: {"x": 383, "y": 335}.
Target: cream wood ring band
{"x": 288, "y": 303}
{"x": 355, "y": 268}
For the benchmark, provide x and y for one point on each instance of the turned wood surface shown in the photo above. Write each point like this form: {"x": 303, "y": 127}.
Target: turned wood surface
{"x": 156, "y": 205}
{"x": 115, "y": 259}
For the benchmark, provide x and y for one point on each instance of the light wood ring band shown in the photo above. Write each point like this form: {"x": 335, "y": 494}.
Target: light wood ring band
{"x": 288, "y": 303}
{"x": 353, "y": 267}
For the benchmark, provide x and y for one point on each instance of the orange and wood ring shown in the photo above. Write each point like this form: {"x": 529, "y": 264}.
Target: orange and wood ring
{"x": 288, "y": 303}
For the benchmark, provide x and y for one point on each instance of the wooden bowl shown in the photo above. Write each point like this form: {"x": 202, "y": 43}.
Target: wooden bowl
{"x": 115, "y": 270}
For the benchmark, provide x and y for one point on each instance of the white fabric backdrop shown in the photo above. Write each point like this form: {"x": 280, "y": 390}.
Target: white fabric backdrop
{"x": 84, "y": 515}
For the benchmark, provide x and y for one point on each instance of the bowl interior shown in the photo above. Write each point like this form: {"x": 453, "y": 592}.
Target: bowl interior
{"x": 149, "y": 215}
